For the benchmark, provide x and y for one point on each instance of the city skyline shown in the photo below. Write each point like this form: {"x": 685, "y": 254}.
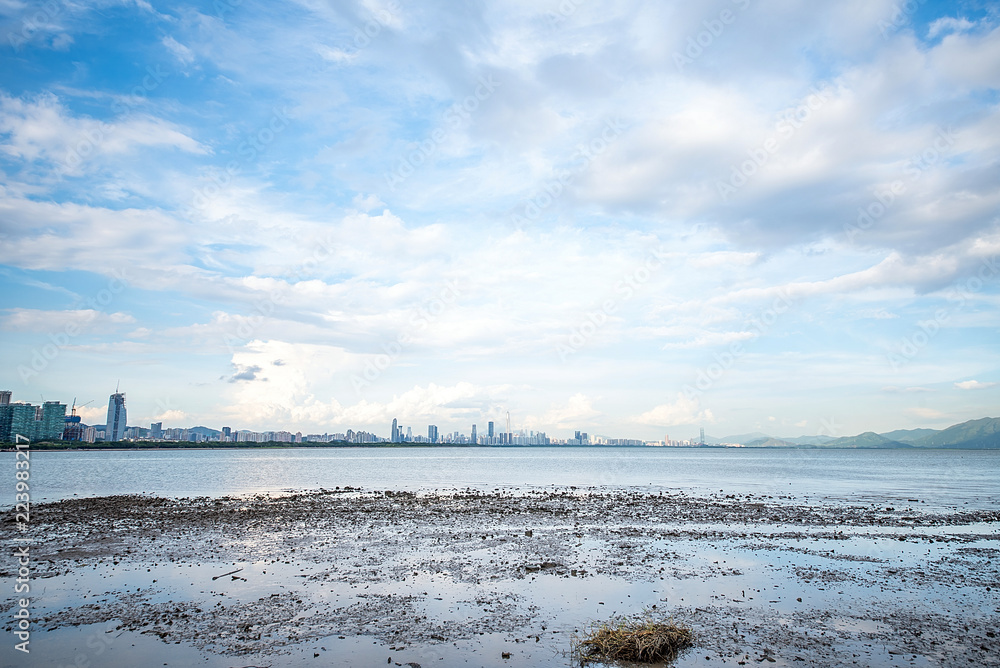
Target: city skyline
{"x": 49, "y": 421}
{"x": 609, "y": 217}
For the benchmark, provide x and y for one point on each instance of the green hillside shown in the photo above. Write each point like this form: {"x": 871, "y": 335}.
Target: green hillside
{"x": 975, "y": 434}
{"x": 908, "y": 435}
{"x": 869, "y": 439}
{"x": 769, "y": 442}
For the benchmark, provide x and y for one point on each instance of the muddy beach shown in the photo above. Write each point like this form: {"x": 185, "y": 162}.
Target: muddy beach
{"x": 505, "y": 577}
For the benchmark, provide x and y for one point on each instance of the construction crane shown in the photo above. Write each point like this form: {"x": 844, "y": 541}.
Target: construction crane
{"x": 73, "y": 429}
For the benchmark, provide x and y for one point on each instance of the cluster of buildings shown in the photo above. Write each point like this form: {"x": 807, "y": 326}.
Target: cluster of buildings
{"x": 491, "y": 437}
{"x": 24, "y": 422}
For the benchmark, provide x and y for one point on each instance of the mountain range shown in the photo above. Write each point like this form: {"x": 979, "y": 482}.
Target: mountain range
{"x": 981, "y": 434}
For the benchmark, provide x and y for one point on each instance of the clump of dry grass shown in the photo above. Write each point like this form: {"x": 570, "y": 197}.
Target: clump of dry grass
{"x": 627, "y": 639}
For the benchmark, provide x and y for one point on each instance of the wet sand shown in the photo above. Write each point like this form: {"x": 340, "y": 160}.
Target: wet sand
{"x": 452, "y": 578}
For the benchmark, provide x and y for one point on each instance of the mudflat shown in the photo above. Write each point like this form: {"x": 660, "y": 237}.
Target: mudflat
{"x": 505, "y": 577}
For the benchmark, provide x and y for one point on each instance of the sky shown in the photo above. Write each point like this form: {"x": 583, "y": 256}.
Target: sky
{"x": 627, "y": 218}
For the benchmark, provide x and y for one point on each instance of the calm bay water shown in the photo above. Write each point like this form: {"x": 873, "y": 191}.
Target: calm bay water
{"x": 936, "y": 477}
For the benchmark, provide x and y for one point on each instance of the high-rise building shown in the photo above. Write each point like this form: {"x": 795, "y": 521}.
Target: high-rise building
{"x": 73, "y": 428}
{"x": 115, "y": 429}
{"x": 395, "y": 432}
{"x": 34, "y": 423}
{"x": 50, "y": 421}
{"x": 702, "y": 436}
{"x": 489, "y": 431}
{"x": 409, "y": 434}
{"x": 17, "y": 419}
{"x": 432, "y": 433}
{"x": 474, "y": 439}
{"x": 4, "y": 397}
{"x": 156, "y": 430}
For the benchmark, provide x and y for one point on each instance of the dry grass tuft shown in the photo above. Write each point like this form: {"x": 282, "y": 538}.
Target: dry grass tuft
{"x": 639, "y": 640}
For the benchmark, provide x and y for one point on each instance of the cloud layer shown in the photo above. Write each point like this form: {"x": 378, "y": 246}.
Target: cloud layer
{"x": 605, "y": 216}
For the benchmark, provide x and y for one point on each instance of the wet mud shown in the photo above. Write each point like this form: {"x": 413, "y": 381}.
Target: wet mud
{"x": 507, "y": 577}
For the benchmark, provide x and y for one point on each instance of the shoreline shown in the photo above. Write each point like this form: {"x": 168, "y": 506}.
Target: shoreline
{"x": 354, "y": 575}
{"x": 181, "y": 445}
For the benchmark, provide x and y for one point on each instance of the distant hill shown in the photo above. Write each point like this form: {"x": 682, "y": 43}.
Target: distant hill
{"x": 869, "y": 439}
{"x": 769, "y": 442}
{"x": 754, "y": 438}
{"x": 908, "y": 435}
{"x": 979, "y": 434}
{"x": 205, "y": 431}
{"x": 809, "y": 440}
{"x": 742, "y": 439}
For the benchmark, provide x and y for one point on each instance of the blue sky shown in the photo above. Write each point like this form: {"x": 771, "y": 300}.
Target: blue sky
{"x": 627, "y": 218}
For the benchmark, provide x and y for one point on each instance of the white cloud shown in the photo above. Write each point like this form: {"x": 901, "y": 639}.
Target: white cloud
{"x": 927, "y": 413}
{"x": 974, "y": 385}
{"x": 181, "y": 52}
{"x": 681, "y": 412}
{"x": 43, "y": 129}
{"x": 77, "y": 321}
{"x": 948, "y": 24}
{"x": 171, "y": 416}
{"x": 578, "y": 411}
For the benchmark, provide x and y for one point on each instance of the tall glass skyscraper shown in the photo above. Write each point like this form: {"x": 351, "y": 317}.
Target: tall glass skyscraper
{"x": 115, "y": 430}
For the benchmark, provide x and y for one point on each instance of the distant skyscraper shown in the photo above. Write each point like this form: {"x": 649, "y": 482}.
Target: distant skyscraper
{"x": 474, "y": 441}
{"x": 115, "y": 428}
{"x": 156, "y": 430}
{"x": 409, "y": 434}
{"x": 703, "y": 436}
{"x": 4, "y": 397}
{"x": 490, "y": 431}
{"x": 17, "y": 419}
{"x": 50, "y": 421}
{"x": 395, "y": 431}
{"x": 432, "y": 433}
